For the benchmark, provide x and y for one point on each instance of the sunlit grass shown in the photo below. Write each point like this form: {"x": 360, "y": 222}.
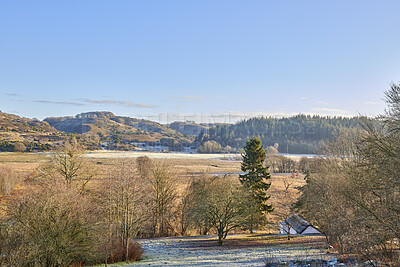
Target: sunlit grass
{"x": 22, "y": 157}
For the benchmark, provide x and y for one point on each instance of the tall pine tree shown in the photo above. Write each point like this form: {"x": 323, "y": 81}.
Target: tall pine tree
{"x": 255, "y": 179}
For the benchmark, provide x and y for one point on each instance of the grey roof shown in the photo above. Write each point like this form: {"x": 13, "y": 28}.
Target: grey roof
{"x": 297, "y": 223}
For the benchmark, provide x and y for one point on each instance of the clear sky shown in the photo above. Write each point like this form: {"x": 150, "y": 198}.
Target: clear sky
{"x": 202, "y": 58}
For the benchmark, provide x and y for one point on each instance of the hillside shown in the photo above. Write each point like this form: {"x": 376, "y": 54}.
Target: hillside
{"x": 24, "y": 134}
{"x": 300, "y": 134}
{"x": 118, "y": 131}
{"x": 190, "y": 127}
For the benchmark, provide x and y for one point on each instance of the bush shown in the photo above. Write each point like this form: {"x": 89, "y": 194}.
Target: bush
{"x": 50, "y": 225}
{"x": 210, "y": 147}
{"x": 8, "y": 179}
{"x": 135, "y": 252}
{"x": 19, "y": 147}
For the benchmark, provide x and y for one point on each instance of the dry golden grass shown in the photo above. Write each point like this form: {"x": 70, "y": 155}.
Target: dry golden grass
{"x": 195, "y": 166}
{"x": 23, "y": 165}
{"x": 23, "y": 157}
{"x": 279, "y": 201}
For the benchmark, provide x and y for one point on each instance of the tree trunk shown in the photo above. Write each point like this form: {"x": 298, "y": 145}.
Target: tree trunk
{"x": 220, "y": 236}
{"x": 127, "y": 250}
{"x": 251, "y": 230}
{"x": 220, "y": 239}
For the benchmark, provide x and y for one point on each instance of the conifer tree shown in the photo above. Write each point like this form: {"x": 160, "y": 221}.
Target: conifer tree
{"x": 256, "y": 176}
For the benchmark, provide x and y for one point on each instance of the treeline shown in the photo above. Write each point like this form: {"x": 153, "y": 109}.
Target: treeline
{"x": 352, "y": 192}
{"x": 26, "y": 146}
{"x": 300, "y": 134}
{"x": 283, "y": 164}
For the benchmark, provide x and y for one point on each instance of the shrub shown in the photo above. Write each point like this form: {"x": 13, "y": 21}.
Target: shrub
{"x": 8, "y": 179}
{"x": 51, "y": 225}
{"x": 135, "y": 252}
{"x": 210, "y": 147}
{"x": 19, "y": 147}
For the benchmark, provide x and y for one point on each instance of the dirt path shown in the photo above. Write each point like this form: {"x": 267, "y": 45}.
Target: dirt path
{"x": 239, "y": 250}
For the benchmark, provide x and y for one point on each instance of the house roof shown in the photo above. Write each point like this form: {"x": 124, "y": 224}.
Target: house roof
{"x": 297, "y": 223}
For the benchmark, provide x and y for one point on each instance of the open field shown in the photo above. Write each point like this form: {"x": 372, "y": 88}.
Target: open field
{"x": 24, "y": 157}
{"x": 238, "y": 250}
{"x": 187, "y": 167}
{"x": 185, "y": 163}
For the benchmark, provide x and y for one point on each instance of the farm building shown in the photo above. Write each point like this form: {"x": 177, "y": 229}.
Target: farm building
{"x": 297, "y": 226}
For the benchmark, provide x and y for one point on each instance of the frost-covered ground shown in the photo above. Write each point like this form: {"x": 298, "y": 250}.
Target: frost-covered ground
{"x": 239, "y": 250}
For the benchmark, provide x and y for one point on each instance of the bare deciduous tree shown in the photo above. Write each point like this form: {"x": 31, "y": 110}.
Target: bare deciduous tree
{"x": 286, "y": 203}
{"x": 163, "y": 193}
{"x": 8, "y": 179}
{"x": 124, "y": 197}
{"x": 51, "y": 225}
{"x": 218, "y": 202}
{"x": 183, "y": 211}
{"x": 144, "y": 167}
{"x": 71, "y": 165}
{"x": 353, "y": 191}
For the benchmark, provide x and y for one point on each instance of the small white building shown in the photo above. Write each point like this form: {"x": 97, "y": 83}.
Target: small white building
{"x": 296, "y": 225}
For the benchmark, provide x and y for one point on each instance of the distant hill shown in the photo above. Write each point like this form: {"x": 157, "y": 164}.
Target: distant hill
{"x": 118, "y": 129}
{"x": 24, "y": 134}
{"x": 299, "y": 134}
{"x": 190, "y": 127}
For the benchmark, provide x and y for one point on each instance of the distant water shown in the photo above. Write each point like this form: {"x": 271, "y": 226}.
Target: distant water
{"x": 298, "y": 155}
{"x": 176, "y": 155}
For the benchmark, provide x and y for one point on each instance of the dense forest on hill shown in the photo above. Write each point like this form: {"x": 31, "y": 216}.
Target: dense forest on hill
{"x": 299, "y": 134}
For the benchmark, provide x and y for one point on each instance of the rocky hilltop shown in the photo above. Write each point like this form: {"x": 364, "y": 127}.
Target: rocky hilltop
{"x": 24, "y": 134}
{"x": 94, "y": 129}
{"x": 119, "y": 132}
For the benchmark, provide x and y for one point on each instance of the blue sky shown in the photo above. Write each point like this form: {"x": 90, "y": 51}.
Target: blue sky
{"x": 203, "y": 60}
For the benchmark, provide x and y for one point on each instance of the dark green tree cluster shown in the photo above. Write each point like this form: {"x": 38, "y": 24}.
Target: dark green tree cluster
{"x": 299, "y": 134}
{"x": 8, "y": 146}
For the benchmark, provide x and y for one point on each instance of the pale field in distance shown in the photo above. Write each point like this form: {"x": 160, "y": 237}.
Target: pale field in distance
{"x": 157, "y": 155}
